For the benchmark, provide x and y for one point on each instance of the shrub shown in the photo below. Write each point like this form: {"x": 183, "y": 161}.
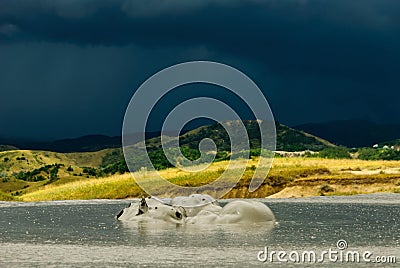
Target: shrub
{"x": 325, "y": 188}
{"x": 252, "y": 168}
{"x": 54, "y": 172}
{"x": 37, "y": 174}
{"x": 89, "y": 171}
{"x": 39, "y": 178}
{"x": 308, "y": 154}
{"x": 334, "y": 153}
{"x": 21, "y": 176}
{"x": 378, "y": 154}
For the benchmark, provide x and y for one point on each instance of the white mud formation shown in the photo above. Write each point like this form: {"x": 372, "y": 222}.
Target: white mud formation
{"x": 196, "y": 209}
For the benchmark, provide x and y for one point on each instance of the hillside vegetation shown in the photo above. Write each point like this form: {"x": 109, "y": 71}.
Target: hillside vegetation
{"x": 301, "y": 160}
{"x": 289, "y": 177}
{"x": 24, "y": 171}
{"x": 6, "y": 197}
{"x": 287, "y": 139}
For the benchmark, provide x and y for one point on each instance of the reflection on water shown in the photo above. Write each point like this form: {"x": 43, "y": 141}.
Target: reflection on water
{"x": 151, "y": 228}
{"x": 83, "y": 233}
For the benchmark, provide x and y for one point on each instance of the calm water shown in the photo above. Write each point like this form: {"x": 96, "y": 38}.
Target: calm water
{"x": 85, "y": 234}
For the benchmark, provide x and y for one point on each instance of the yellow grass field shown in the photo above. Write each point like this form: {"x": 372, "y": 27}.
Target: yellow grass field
{"x": 289, "y": 177}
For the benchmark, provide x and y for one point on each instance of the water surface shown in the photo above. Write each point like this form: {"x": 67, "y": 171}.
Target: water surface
{"x": 86, "y": 234}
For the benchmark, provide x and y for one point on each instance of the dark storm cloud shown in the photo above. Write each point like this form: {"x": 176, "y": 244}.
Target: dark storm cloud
{"x": 339, "y": 58}
{"x": 292, "y": 36}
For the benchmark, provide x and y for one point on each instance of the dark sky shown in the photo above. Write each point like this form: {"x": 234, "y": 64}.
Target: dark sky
{"x": 69, "y": 67}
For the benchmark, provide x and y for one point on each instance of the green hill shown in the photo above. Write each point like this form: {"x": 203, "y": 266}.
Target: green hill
{"x": 288, "y": 139}
{"x": 23, "y": 171}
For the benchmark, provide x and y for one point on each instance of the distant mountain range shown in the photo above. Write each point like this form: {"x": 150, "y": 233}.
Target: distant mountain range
{"x": 89, "y": 143}
{"x": 312, "y": 136}
{"x": 353, "y": 133}
{"x": 288, "y": 139}
{"x": 7, "y": 148}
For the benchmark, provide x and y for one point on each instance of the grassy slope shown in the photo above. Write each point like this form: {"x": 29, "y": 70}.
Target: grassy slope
{"x": 6, "y": 197}
{"x": 288, "y": 177}
{"x": 35, "y": 159}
